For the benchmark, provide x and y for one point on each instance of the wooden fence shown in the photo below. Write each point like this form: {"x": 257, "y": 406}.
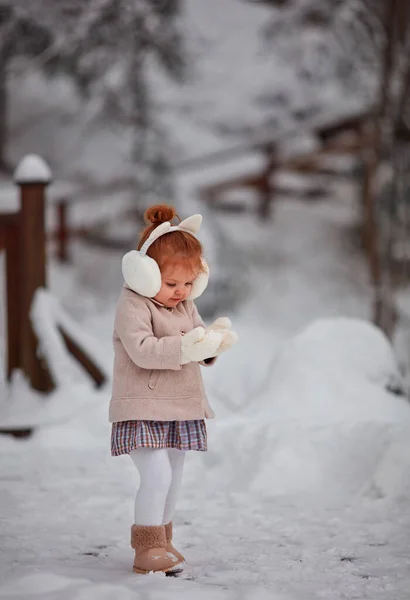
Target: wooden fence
{"x": 23, "y": 237}
{"x": 65, "y": 231}
{"x": 353, "y": 136}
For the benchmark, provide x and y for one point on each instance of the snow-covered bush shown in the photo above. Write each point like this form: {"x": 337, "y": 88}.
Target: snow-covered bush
{"x": 330, "y": 425}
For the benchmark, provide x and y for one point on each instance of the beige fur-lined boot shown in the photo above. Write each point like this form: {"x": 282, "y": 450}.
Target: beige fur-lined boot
{"x": 170, "y": 547}
{"x": 149, "y": 543}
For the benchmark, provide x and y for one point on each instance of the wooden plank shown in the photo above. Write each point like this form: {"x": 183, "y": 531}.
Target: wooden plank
{"x": 17, "y": 433}
{"x": 354, "y": 123}
{"x": 62, "y": 232}
{"x": 83, "y": 359}
{"x": 303, "y": 163}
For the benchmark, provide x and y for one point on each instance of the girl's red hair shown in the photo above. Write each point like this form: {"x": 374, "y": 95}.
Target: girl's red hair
{"x": 174, "y": 247}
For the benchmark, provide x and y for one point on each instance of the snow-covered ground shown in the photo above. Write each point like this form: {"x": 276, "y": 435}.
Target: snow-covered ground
{"x": 304, "y": 491}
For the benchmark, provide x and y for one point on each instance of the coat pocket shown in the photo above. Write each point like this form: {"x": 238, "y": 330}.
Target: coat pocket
{"x": 153, "y": 378}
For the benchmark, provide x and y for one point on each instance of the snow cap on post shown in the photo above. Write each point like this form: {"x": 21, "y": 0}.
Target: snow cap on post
{"x": 32, "y": 169}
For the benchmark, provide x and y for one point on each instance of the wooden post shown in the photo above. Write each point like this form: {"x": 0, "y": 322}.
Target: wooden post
{"x": 62, "y": 231}
{"x": 265, "y": 186}
{"x": 264, "y": 197}
{"x": 372, "y": 160}
{"x": 3, "y": 109}
{"x": 32, "y": 175}
{"x": 370, "y": 233}
{"x": 12, "y": 238}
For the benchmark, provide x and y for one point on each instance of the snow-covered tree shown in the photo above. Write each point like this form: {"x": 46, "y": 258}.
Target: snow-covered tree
{"x": 21, "y": 35}
{"x": 328, "y": 53}
{"x": 110, "y": 49}
{"x": 341, "y": 44}
{"x": 111, "y": 54}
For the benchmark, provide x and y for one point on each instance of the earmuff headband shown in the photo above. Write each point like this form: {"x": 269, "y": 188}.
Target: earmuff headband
{"x": 141, "y": 272}
{"x": 148, "y": 242}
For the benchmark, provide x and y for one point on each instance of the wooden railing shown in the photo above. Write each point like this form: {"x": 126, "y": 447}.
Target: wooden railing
{"x": 23, "y": 237}
{"x": 335, "y": 142}
{"x": 24, "y": 241}
{"x": 63, "y": 205}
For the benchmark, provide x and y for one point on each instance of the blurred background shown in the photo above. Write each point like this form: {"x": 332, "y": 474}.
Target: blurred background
{"x": 274, "y": 119}
{"x": 286, "y": 124}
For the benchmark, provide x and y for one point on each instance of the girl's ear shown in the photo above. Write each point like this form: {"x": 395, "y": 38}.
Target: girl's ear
{"x": 200, "y": 282}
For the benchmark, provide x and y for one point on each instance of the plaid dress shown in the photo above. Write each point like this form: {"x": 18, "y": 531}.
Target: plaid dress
{"x": 183, "y": 435}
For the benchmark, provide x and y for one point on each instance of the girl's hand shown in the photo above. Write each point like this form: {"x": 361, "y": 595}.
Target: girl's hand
{"x": 223, "y": 326}
{"x": 199, "y": 344}
{"x": 220, "y": 323}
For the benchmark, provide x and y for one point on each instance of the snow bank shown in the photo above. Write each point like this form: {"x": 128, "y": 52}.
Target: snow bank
{"x": 333, "y": 423}
{"x": 21, "y": 407}
{"x": 48, "y": 316}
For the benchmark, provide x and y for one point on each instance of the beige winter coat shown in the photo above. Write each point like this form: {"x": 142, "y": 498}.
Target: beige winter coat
{"x": 149, "y": 382}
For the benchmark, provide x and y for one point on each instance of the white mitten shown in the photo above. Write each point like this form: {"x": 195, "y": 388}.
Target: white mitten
{"x": 221, "y": 323}
{"x": 198, "y": 345}
{"x": 223, "y": 326}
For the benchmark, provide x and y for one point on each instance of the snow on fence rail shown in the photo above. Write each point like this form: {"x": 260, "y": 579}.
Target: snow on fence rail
{"x": 58, "y": 332}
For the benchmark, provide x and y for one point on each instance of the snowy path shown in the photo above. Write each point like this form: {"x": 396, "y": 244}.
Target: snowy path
{"x": 66, "y": 505}
{"x": 68, "y": 514}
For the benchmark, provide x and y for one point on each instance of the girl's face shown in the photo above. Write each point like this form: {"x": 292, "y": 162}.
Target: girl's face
{"x": 176, "y": 285}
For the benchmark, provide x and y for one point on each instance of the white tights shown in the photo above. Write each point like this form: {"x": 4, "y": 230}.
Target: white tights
{"x": 160, "y": 473}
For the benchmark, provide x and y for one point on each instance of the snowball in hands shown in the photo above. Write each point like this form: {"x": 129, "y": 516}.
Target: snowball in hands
{"x": 223, "y": 326}
{"x": 198, "y": 345}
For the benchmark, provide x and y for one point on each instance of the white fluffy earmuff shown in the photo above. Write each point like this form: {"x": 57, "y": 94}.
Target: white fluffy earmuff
{"x": 200, "y": 282}
{"x": 141, "y": 273}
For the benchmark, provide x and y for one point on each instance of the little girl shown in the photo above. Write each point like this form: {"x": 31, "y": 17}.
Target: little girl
{"x": 158, "y": 402}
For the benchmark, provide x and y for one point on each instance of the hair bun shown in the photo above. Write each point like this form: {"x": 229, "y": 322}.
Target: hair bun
{"x": 160, "y": 213}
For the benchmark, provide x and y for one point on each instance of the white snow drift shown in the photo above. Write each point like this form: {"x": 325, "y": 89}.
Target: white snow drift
{"x": 334, "y": 422}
